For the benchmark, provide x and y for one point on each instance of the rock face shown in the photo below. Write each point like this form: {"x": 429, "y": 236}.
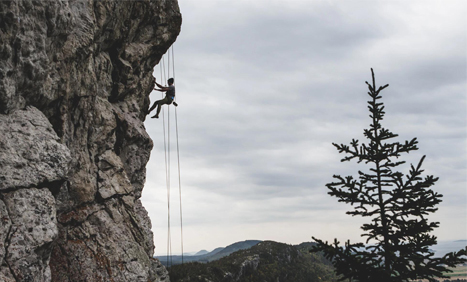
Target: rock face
{"x": 75, "y": 78}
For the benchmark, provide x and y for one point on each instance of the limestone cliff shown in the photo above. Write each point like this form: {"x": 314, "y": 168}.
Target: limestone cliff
{"x": 75, "y": 78}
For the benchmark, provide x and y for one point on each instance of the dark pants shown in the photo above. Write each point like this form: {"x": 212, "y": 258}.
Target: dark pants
{"x": 166, "y": 101}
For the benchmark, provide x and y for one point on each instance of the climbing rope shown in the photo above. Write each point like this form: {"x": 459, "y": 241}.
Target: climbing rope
{"x": 171, "y": 55}
{"x": 179, "y": 184}
{"x": 167, "y": 162}
{"x": 178, "y": 159}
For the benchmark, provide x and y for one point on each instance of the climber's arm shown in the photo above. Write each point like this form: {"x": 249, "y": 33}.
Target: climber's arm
{"x": 162, "y": 88}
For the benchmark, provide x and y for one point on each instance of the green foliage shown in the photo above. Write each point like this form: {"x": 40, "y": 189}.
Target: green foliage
{"x": 398, "y": 235}
{"x": 267, "y": 261}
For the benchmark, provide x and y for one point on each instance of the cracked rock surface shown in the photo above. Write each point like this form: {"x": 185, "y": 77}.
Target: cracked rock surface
{"x": 75, "y": 78}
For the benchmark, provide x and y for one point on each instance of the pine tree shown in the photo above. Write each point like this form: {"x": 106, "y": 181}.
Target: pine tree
{"x": 398, "y": 239}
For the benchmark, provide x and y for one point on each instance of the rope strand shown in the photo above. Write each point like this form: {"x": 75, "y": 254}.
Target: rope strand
{"x": 178, "y": 159}
{"x": 166, "y": 166}
{"x": 169, "y": 236}
{"x": 167, "y": 159}
{"x": 179, "y": 184}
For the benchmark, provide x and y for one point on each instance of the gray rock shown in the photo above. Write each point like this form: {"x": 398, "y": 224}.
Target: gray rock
{"x": 31, "y": 155}
{"x": 30, "y": 152}
{"x": 100, "y": 238}
{"x": 33, "y": 230}
{"x": 112, "y": 179}
{"x": 5, "y": 227}
{"x": 146, "y": 234}
{"x": 75, "y": 78}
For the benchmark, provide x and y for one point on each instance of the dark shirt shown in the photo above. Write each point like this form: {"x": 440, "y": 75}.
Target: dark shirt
{"x": 171, "y": 92}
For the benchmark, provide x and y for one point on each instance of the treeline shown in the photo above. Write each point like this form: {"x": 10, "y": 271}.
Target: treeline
{"x": 267, "y": 261}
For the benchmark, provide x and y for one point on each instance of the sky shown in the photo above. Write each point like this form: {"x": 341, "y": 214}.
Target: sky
{"x": 265, "y": 87}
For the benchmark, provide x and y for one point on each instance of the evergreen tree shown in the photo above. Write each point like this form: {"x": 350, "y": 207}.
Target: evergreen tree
{"x": 398, "y": 239}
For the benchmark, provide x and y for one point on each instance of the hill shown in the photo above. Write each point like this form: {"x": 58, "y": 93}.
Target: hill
{"x": 220, "y": 253}
{"x": 266, "y": 261}
{"x": 202, "y": 252}
{"x": 205, "y": 256}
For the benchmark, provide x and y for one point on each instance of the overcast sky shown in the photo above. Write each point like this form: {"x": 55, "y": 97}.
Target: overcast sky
{"x": 265, "y": 87}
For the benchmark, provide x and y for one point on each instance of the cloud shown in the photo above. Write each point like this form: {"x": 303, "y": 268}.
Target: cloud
{"x": 264, "y": 88}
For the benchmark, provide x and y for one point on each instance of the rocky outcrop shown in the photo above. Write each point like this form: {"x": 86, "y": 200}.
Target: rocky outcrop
{"x": 75, "y": 78}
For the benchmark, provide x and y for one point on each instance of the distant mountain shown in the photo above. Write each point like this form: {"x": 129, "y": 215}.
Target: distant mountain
{"x": 200, "y": 253}
{"x": 222, "y": 252}
{"x": 215, "y": 251}
{"x": 444, "y": 247}
{"x": 266, "y": 261}
{"x": 205, "y": 256}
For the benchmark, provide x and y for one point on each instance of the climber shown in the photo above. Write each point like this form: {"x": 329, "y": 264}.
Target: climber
{"x": 168, "y": 99}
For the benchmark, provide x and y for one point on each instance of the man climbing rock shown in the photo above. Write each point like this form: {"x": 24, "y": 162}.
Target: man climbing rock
{"x": 168, "y": 99}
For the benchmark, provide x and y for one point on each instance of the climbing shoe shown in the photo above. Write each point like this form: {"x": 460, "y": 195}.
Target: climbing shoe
{"x": 175, "y": 104}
